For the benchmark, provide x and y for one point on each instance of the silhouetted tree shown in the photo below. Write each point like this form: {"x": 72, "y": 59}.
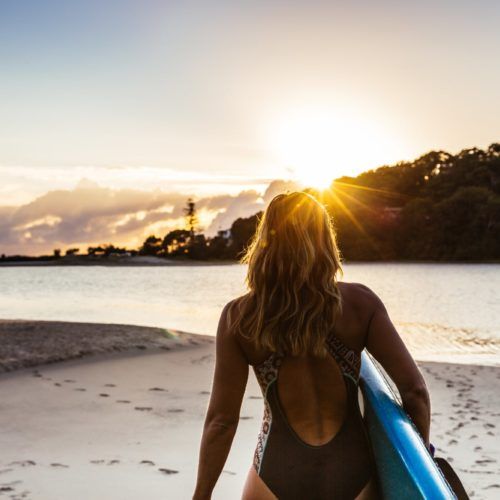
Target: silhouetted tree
{"x": 191, "y": 217}
{"x": 151, "y": 246}
{"x": 217, "y": 247}
{"x": 242, "y": 231}
{"x": 175, "y": 241}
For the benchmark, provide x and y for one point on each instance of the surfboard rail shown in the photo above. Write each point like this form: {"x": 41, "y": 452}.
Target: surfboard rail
{"x": 404, "y": 465}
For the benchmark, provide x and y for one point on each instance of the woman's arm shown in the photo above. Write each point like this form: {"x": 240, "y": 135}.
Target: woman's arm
{"x": 221, "y": 422}
{"x": 387, "y": 347}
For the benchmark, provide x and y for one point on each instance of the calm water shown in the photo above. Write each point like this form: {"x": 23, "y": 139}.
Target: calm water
{"x": 445, "y": 312}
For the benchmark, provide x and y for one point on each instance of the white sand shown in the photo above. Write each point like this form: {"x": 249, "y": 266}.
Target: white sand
{"x": 61, "y": 439}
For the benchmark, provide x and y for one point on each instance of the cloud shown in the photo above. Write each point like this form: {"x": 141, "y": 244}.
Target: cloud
{"x": 90, "y": 214}
{"x": 277, "y": 187}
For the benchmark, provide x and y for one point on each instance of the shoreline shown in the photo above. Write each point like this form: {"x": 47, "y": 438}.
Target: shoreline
{"x": 146, "y": 261}
{"x": 40, "y": 342}
{"x": 141, "y": 261}
{"x": 34, "y": 343}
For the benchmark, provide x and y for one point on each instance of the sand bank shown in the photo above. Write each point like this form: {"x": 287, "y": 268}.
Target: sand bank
{"x": 127, "y": 425}
{"x": 25, "y": 343}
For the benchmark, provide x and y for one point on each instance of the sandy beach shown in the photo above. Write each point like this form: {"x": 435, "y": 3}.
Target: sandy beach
{"x": 123, "y": 419}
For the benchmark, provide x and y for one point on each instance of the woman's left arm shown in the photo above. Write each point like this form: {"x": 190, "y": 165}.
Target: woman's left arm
{"x": 221, "y": 422}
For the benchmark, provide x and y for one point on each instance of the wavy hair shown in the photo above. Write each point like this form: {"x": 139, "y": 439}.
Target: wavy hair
{"x": 293, "y": 261}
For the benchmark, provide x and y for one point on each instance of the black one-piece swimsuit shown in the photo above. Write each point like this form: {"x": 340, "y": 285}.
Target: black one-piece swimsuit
{"x": 293, "y": 469}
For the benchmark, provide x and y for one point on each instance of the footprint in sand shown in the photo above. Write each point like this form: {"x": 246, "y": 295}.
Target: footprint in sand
{"x": 81, "y": 389}
{"x": 57, "y": 384}
{"x": 485, "y": 461}
{"x": 453, "y": 441}
{"x": 147, "y": 462}
{"x": 143, "y": 408}
{"x": 113, "y": 462}
{"x": 124, "y": 401}
{"x": 478, "y": 448}
{"x": 36, "y": 373}
{"x": 109, "y": 385}
{"x": 260, "y": 397}
{"x": 203, "y": 360}
{"x": 229, "y": 472}
{"x": 204, "y": 392}
{"x": 245, "y": 418}
{"x": 175, "y": 410}
{"x": 13, "y": 483}
{"x": 4, "y": 471}
{"x": 158, "y": 389}
{"x": 5, "y": 489}
{"x": 97, "y": 462}
{"x": 70, "y": 381}
{"x": 168, "y": 471}
{"x": 104, "y": 395}
{"x": 24, "y": 463}
{"x": 56, "y": 464}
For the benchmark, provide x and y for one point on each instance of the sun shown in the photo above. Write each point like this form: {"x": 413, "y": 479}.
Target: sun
{"x": 317, "y": 146}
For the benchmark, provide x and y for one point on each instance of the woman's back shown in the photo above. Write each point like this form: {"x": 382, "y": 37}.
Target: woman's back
{"x": 311, "y": 388}
{"x": 312, "y": 440}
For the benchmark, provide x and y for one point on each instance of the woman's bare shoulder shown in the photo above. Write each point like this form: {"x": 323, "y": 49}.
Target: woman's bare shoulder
{"x": 360, "y": 298}
{"x": 234, "y": 306}
{"x": 357, "y": 292}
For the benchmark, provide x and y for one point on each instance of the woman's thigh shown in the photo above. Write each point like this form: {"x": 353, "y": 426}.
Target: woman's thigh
{"x": 255, "y": 488}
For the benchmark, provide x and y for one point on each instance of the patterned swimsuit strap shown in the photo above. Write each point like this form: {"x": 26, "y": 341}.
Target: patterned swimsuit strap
{"x": 348, "y": 359}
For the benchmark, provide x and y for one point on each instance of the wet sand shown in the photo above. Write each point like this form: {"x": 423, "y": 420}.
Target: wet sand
{"x": 127, "y": 425}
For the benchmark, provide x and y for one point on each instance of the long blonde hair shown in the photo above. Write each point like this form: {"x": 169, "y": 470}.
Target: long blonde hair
{"x": 293, "y": 261}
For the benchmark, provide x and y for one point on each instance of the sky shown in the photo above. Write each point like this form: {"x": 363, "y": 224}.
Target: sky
{"x": 144, "y": 100}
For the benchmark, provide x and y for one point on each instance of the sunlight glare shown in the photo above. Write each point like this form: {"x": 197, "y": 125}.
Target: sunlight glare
{"x": 319, "y": 146}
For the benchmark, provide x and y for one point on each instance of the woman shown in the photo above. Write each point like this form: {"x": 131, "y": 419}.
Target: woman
{"x": 302, "y": 331}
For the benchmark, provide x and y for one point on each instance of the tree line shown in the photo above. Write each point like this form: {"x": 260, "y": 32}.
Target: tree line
{"x": 439, "y": 207}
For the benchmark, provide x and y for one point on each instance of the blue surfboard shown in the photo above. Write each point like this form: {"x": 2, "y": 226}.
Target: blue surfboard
{"x": 405, "y": 468}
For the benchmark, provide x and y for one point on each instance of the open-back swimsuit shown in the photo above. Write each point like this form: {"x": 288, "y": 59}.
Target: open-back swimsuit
{"x": 294, "y": 469}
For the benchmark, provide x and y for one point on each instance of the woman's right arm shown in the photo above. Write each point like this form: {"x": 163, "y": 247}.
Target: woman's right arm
{"x": 387, "y": 347}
